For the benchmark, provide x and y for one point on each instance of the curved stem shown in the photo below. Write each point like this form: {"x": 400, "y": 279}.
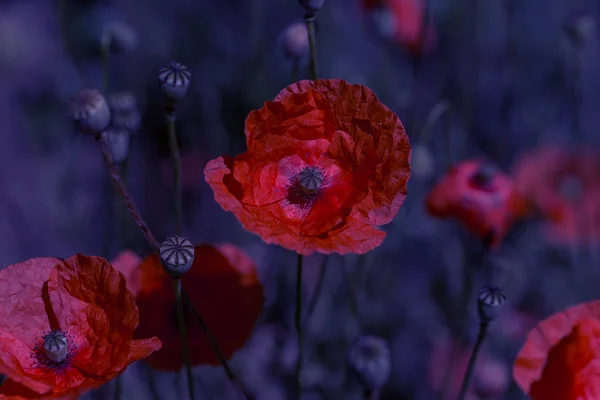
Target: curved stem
{"x": 312, "y": 41}
{"x": 174, "y": 147}
{"x": 483, "y": 326}
{"x": 298, "y": 323}
{"x": 122, "y": 190}
{"x": 213, "y": 342}
{"x": 183, "y": 334}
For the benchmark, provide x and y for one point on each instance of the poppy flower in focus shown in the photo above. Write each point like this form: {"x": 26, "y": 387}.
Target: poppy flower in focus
{"x": 401, "y": 21}
{"x": 479, "y": 196}
{"x": 66, "y": 326}
{"x": 222, "y": 284}
{"x": 325, "y": 163}
{"x": 561, "y": 357}
{"x": 563, "y": 186}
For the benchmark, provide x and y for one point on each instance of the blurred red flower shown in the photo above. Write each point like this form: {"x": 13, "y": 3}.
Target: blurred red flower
{"x": 563, "y": 185}
{"x": 401, "y": 21}
{"x": 561, "y": 357}
{"x": 222, "y": 285}
{"x": 479, "y": 196}
{"x": 66, "y": 326}
{"x": 326, "y": 161}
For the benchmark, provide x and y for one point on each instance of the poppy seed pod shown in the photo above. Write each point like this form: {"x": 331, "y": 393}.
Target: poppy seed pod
{"x": 177, "y": 256}
{"x": 311, "y": 6}
{"x": 89, "y": 111}
{"x": 175, "y": 80}
{"x": 489, "y": 303}
{"x": 369, "y": 360}
{"x": 56, "y": 346}
{"x": 118, "y": 37}
{"x": 118, "y": 141}
{"x": 294, "y": 40}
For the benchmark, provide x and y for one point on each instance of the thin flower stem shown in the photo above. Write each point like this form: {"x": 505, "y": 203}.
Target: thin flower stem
{"x": 351, "y": 294}
{"x": 295, "y": 74}
{"x": 183, "y": 333}
{"x": 312, "y": 41}
{"x": 117, "y": 180}
{"x": 312, "y": 304}
{"x": 129, "y": 203}
{"x": 118, "y": 388}
{"x": 213, "y": 342}
{"x": 105, "y": 56}
{"x": 483, "y": 326}
{"x": 298, "y": 323}
{"x": 174, "y": 147}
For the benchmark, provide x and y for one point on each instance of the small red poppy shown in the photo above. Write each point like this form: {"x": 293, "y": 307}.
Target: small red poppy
{"x": 479, "y": 196}
{"x": 561, "y": 357}
{"x": 66, "y": 326}
{"x": 402, "y": 21}
{"x": 222, "y": 285}
{"x": 326, "y": 162}
{"x": 564, "y": 186}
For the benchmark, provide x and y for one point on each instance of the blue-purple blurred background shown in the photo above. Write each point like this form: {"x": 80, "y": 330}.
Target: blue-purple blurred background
{"x": 506, "y": 71}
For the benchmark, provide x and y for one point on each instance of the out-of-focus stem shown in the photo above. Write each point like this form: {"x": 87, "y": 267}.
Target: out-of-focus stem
{"x": 312, "y": 304}
{"x": 183, "y": 334}
{"x": 483, "y": 326}
{"x": 298, "y": 324}
{"x": 295, "y": 74}
{"x": 312, "y": 41}
{"x": 351, "y": 294}
{"x": 175, "y": 156}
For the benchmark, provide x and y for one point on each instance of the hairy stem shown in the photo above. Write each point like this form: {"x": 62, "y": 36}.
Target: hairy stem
{"x": 122, "y": 190}
{"x": 214, "y": 344}
{"x": 298, "y": 323}
{"x": 483, "y": 326}
{"x": 312, "y": 41}
{"x": 174, "y": 147}
{"x": 183, "y": 334}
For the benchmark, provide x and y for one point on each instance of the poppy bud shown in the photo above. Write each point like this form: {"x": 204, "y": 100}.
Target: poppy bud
{"x": 56, "y": 346}
{"x": 489, "y": 303}
{"x": 177, "y": 255}
{"x": 311, "y": 6}
{"x": 370, "y": 361}
{"x": 294, "y": 40}
{"x": 118, "y": 37}
{"x": 118, "y": 141}
{"x": 124, "y": 112}
{"x": 89, "y": 111}
{"x": 579, "y": 26}
{"x": 175, "y": 80}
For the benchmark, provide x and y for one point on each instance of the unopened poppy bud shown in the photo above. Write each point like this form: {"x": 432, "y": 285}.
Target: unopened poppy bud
{"x": 310, "y": 179}
{"x": 89, "y": 111}
{"x": 122, "y": 101}
{"x": 175, "y": 80}
{"x": 311, "y": 6}
{"x": 579, "y": 26}
{"x": 177, "y": 256}
{"x": 370, "y": 361}
{"x": 294, "y": 40}
{"x": 489, "y": 303}
{"x": 56, "y": 346}
{"x": 118, "y": 141}
{"x": 118, "y": 37}
{"x": 124, "y": 111}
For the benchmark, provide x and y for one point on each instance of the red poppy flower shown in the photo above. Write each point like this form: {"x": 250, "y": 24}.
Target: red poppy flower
{"x": 223, "y": 286}
{"x": 326, "y": 162}
{"x": 65, "y": 327}
{"x": 564, "y": 186}
{"x": 479, "y": 196}
{"x": 401, "y": 21}
{"x": 561, "y": 357}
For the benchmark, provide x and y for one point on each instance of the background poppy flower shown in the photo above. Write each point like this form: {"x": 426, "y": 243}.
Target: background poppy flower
{"x": 479, "y": 196}
{"x": 401, "y": 21}
{"x": 83, "y": 302}
{"x": 325, "y": 162}
{"x": 225, "y": 289}
{"x": 556, "y": 360}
